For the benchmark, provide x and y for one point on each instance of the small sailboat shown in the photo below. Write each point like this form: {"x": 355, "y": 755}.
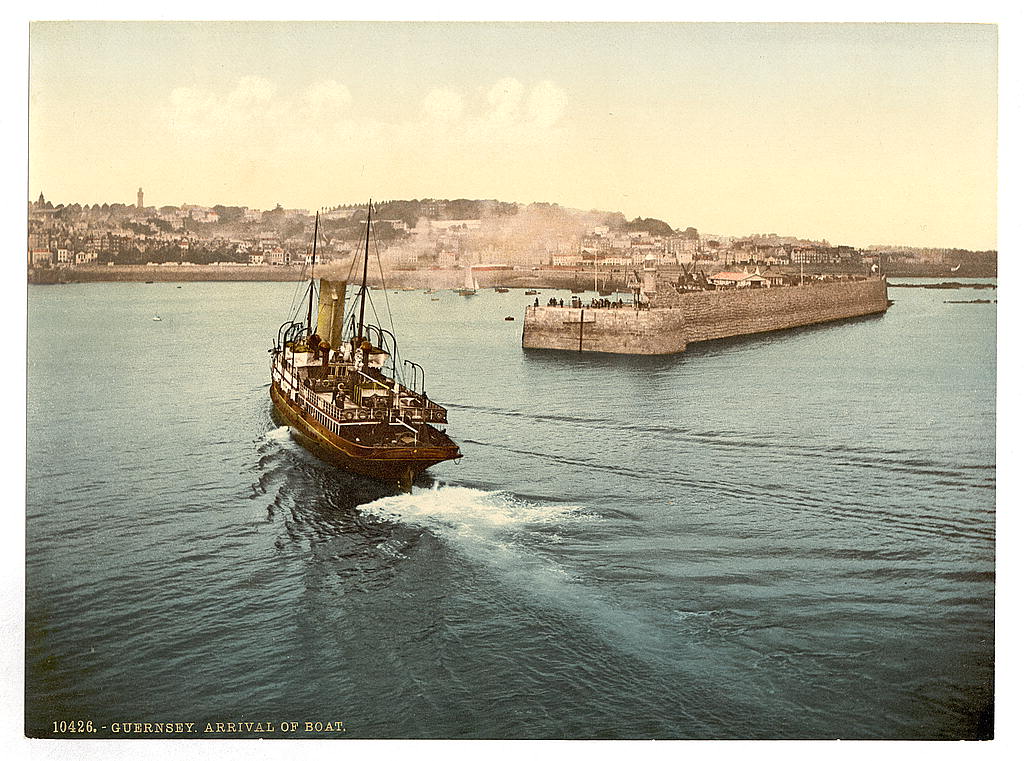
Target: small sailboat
{"x": 340, "y": 386}
{"x": 471, "y": 286}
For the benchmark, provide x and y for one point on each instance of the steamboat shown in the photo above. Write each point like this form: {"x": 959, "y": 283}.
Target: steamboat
{"x": 339, "y": 384}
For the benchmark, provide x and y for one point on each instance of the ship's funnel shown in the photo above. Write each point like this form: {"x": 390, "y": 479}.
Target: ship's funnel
{"x": 330, "y": 316}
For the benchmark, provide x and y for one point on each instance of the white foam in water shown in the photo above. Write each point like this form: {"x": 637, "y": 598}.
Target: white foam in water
{"x": 282, "y": 434}
{"x": 490, "y": 527}
{"x": 461, "y": 512}
{"x": 498, "y": 530}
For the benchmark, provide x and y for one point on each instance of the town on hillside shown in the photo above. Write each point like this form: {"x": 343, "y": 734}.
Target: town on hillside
{"x": 431, "y": 234}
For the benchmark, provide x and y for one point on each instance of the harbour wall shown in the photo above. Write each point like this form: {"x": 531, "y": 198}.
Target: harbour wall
{"x": 700, "y": 316}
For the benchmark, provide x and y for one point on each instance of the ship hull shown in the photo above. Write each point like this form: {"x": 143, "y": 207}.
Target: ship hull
{"x": 395, "y": 464}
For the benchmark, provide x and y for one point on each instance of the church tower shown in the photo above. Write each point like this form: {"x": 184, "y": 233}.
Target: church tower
{"x": 140, "y": 205}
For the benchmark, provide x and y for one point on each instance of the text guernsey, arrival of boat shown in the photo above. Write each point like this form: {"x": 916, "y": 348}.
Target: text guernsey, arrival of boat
{"x": 336, "y": 382}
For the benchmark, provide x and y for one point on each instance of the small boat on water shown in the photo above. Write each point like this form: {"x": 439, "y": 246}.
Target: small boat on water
{"x": 532, "y": 293}
{"x": 157, "y": 318}
{"x": 471, "y": 286}
{"x": 338, "y": 384}
{"x": 501, "y": 290}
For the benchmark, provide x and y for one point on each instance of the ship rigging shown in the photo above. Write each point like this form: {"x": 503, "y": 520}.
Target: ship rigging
{"x": 339, "y": 384}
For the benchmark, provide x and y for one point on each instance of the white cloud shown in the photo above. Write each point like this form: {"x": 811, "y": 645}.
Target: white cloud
{"x": 444, "y": 104}
{"x": 188, "y": 109}
{"x": 504, "y": 97}
{"x": 250, "y": 93}
{"x": 327, "y": 97}
{"x": 546, "y": 103}
{"x": 257, "y": 126}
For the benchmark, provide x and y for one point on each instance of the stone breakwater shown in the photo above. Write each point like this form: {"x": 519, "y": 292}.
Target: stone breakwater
{"x": 700, "y": 316}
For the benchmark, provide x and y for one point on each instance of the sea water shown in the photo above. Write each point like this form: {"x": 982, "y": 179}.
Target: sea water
{"x": 780, "y": 536}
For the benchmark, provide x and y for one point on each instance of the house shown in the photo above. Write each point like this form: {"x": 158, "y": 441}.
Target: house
{"x": 41, "y": 257}
{"x": 739, "y": 280}
{"x": 267, "y": 242}
{"x": 277, "y": 256}
{"x": 616, "y": 261}
{"x": 567, "y": 260}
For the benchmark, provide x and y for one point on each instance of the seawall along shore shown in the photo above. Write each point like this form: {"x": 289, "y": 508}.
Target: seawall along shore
{"x": 701, "y": 316}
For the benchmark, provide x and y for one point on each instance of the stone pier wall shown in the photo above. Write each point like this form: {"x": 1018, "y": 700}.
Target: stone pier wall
{"x": 701, "y": 316}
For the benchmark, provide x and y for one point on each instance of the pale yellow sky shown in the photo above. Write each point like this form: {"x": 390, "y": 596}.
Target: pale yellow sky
{"x": 858, "y": 133}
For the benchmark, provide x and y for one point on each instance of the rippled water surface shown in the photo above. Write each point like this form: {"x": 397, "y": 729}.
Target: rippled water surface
{"x": 784, "y": 536}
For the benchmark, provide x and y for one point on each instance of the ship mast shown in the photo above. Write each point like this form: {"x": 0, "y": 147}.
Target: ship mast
{"x": 366, "y": 259}
{"x": 309, "y": 312}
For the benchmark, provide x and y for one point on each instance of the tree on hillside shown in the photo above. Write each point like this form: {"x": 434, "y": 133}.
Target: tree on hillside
{"x": 463, "y": 208}
{"x": 407, "y": 211}
{"x": 275, "y": 216}
{"x": 293, "y": 229}
{"x": 650, "y": 226}
{"x": 138, "y": 228}
{"x": 228, "y": 214}
{"x": 615, "y": 221}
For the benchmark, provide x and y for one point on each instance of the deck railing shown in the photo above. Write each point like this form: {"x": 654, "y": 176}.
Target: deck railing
{"x": 308, "y": 393}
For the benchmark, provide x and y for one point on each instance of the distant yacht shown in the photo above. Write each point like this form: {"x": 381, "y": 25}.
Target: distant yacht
{"x": 471, "y": 284}
{"x": 156, "y": 318}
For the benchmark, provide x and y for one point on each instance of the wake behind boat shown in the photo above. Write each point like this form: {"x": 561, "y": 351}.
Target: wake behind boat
{"x": 338, "y": 384}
